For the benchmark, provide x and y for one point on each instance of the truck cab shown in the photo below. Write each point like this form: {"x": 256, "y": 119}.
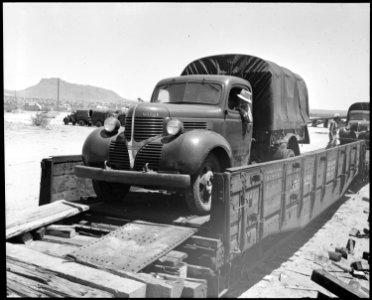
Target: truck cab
{"x": 193, "y": 126}
{"x": 357, "y": 124}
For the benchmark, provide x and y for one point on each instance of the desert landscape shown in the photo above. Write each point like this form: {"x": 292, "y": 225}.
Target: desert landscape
{"x": 286, "y": 270}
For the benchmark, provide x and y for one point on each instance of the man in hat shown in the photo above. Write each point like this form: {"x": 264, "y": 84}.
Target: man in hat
{"x": 244, "y": 104}
{"x": 333, "y": 127}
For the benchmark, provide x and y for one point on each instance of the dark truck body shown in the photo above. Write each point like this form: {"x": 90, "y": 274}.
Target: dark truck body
{"x": 357, "y": 124}
{"x": 280, "y": 97}
{"x": 81, "y": 117}
{"x": 99, "y": 116}
{"x": 211, "y": 136}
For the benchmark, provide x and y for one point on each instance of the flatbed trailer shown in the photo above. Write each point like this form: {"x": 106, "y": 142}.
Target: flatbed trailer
{"x": 150, "y": 246}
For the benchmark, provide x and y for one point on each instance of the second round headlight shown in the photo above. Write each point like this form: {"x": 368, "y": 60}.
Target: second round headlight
{"x": 111, "y": 124}
{"x": 174, "y": 127}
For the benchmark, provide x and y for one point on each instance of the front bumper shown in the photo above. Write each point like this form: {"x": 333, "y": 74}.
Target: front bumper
{"x": 135, "y": 178}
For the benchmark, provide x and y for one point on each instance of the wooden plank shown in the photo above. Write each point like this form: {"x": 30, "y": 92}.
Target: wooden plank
{"x": 77, "y": 240}
{"x": 43, "y": 215}
{"x": 65, "y": 231}
{"x": 155, "y": 287}
{"x": 193, "y": 287}
{"x": 334, "y": 285}
{"x": 53, "y": 249}
{"x": 39, "y": 282}
{"x": 120, "y": 287}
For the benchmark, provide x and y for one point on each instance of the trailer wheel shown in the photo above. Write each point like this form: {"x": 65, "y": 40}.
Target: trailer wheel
{"x": 110, "y": 191}
{"x": 199, "y": 196}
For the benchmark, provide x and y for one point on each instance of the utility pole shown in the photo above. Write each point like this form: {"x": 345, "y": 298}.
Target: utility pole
{"x": 57, "y": 94}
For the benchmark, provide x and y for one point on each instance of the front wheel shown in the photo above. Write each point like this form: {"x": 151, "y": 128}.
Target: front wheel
{"x": 110, "y": 191}
{"x": 199, "y": 196}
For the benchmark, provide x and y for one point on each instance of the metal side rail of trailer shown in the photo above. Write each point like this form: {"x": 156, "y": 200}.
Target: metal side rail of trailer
{"x": 149, "y": 245}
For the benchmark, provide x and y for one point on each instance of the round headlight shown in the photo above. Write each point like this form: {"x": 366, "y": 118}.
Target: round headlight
{"x": 174, "y": 127}
{"x": 111, "y": 124}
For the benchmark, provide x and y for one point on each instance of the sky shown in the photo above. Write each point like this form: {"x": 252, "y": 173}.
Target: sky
{"x": 129, "y": 47}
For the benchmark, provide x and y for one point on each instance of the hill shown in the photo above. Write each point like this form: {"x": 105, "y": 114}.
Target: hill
{"x": 47, "y": 89}
{"x": 326, "y": 112}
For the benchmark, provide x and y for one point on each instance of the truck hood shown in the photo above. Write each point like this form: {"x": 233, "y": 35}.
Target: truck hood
{"x": 182, "y": 111}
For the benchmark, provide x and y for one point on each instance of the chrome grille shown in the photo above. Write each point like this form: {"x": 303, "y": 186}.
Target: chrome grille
{"x": 128, "y": 128}
{"x": 144, "y": 128}
{"x": 151, "y": 154}
{"x": 194, "y": 125}
{"x": 118, "y": 157}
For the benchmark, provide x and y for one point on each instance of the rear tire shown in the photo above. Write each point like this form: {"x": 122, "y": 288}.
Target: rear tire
{"x": 65, "y": 120}
{"x": 98, "y": 123}
{"x": 81, "y": 123}
{"x": 110, "y": 191}
{"x": 199, "y": 196}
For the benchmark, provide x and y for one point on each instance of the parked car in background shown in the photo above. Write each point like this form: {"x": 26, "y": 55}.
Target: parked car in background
{"x": 100, "y": 115}
{"x": 81, "y": 117}
{"x": 357, "y": 124}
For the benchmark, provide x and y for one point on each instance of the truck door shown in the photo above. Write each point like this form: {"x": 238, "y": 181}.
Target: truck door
{"x": 239, "y": 124}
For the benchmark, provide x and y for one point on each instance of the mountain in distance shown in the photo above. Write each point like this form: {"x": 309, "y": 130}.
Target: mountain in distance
{"x": 47, "y": 89}
{"x": 327, "y": 112}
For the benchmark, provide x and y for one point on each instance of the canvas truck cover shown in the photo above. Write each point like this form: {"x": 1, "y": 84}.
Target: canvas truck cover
{"x": 280, "y": 98}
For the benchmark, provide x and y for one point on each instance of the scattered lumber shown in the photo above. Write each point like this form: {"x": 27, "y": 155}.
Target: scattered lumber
{"x": 42, "y": 216}
{"x": 118, "y": 286}
{"x": 334, "y": 285}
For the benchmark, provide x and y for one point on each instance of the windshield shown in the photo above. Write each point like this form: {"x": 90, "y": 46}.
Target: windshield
{"x": 359, "y": 115}
{"x": 188, "y": 92}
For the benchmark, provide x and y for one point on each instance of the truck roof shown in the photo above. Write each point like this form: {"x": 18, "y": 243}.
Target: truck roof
{"x": 224, "y": 79}
{"x": 279, "y": 95}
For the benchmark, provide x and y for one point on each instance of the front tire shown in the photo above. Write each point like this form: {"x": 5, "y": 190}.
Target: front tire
{"x": 199, "y": 196}
{"x": 110, "y": 191}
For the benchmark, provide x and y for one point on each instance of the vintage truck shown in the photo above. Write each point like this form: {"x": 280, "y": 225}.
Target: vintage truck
{"x": 357, "y": 124}
{"x": 223, "y": 111}
{"x": 81, "y": 117}
{"x": 99, "y": 116}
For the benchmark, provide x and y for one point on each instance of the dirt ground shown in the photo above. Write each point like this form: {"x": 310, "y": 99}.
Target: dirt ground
{"x": 26, "y": 145}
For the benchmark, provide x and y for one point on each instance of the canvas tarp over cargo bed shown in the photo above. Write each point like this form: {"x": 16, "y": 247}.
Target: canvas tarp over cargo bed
{"x": 280, "y": 99}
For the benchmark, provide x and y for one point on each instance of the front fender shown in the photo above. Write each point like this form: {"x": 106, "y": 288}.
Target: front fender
{"x": 96, "y": 147}
{"x": 187, "y": 152}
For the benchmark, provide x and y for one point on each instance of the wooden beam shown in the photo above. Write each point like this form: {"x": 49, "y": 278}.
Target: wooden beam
{"x": 65, "y": 231}
{"x": 43, "y": 215}
{"x": 120, "y": 287}
{"x": 335, "y": 285}
{"x": 193, "y": 287}
{"x": 38, "y": 282}
{"x": 155, "y": 288}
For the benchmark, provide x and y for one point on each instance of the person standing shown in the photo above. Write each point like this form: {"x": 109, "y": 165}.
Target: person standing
{"x": 333, "y": 128}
